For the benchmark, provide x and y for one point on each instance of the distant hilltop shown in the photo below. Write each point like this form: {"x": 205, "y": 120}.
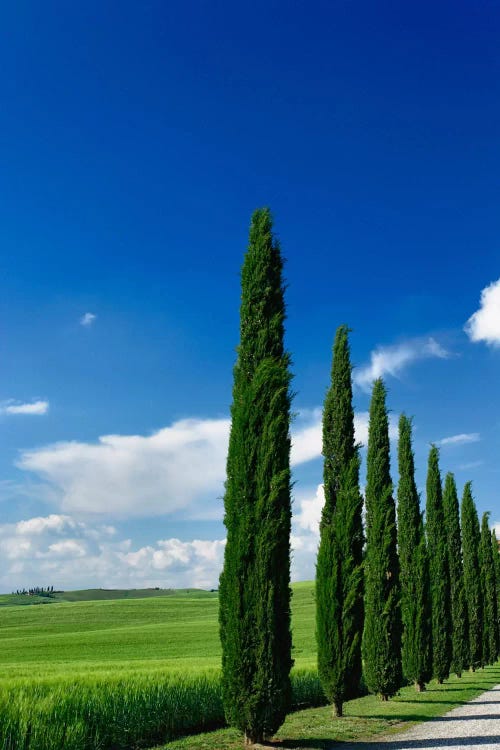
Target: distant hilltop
{"x": 50, "y": 596}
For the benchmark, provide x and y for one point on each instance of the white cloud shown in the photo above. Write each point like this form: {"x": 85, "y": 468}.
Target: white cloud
{"x": 307, "y": 436}
{"x": 463, "y": 439}
{"x": 136, "y": 475}
{"x": 68, "y": 548}
{"x": 392, "y": 360}
{"x": 310, "y": 505}
{"x": 87, "y": 319}
{"x": 484, "y": 324}
{"x": 36, "y": 407}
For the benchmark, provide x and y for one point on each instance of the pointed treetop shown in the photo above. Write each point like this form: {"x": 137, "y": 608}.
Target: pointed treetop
{"x": 378, "y": 428}
{"x": 339, "y": 445}
{"x": 262, "y": 311}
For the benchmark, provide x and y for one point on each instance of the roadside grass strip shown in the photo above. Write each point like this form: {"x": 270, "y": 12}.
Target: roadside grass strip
{"x": 365, "y": 718}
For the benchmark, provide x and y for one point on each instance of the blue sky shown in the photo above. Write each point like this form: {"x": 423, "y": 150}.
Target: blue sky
{"x": 136, "y": 140}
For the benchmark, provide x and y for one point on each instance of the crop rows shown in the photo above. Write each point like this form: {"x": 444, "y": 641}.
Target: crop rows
{"x": 96, "y": 713}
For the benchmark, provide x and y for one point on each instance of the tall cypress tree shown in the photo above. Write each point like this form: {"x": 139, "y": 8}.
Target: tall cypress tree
{"x": 254, "y": 585}
{"x": 459, "y": 630}
{"x": 471, "y": 539}
{"x": 339, "y": 572}
{"x": 488, "y": 577}
{"x": 382, "y": 631}
{"x": 439, "y": 571}
{"x": 496, "y": 565}
{"x": 415, "y": 591}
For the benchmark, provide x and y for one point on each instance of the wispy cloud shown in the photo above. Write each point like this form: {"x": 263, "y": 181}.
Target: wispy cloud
{"x": 35, "y": 407}
{"x": 392, "y": 360}
{"x": 470, "y": 465}
{"x": 484, "y": 324}
{"x": 87, "y": 319}
{"x": 462, "y": 439}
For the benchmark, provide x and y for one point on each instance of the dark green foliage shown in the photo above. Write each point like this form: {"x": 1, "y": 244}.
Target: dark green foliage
{"x": 488, "y": 579}
{"x": 459, "y": 628}
{"x": 415, "y": 591}
{"x": 439, "y": 571}
{"x": 339, "y": 572}
{"x": 471, "y": 539}
{"x": 382, "y": 631}
{"x": 254, "y": 585}
{"x": 496, "y": 564}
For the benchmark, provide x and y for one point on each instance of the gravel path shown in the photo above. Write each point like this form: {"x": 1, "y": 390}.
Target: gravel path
{"x": 473, "y": 726}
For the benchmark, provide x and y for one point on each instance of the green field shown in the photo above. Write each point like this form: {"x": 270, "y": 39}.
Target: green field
{"x": 121, "y": 673}
{"x": 87, "y": 595}
{"x": 177, "y": 632}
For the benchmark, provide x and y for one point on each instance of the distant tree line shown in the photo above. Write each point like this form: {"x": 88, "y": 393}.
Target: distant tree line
{"x": 400, "y": 598}
{"x": 36, "y": 591}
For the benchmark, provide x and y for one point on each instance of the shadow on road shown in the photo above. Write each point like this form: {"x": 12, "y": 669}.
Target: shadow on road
{"x": 315, "y": 743}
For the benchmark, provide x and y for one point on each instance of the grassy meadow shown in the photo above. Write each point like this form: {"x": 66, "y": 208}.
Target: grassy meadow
{"x": 124, "y": 673}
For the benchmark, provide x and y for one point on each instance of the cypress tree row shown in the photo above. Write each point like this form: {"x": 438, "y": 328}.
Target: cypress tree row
{"x": 490, "y": 627}
{"x": 254, "y": 585}
{"x": 459, "y": 630}
{"x": 471, "y": 539}
{"x": 339, "y": 572}
{"x": 382, "y": 631}
{"x": 415, "y": 593}
{"x": 439, "y": 571}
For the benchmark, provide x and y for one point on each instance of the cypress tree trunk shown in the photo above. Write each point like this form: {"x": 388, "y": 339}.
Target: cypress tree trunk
{"x": 460, "y": 643}
{"x": 439, "y": 571}
{"x": 471, "y": 539}
{"x": 490, "y": 629}
{"x": 339, "y": 572}
{"x": 382, "y": 631}
{"x": 254, "y": 585}
{"x": 415, "y": 590}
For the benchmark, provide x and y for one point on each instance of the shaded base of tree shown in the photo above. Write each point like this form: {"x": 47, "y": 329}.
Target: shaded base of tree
{"x": 440, "y": 682}
{"x": 338, "y": 708}
{"x": 472, "y": 669}
{"x": 384, "y": 697}
{"x": 420, "y": 687}
{"x": 251, "y": 740}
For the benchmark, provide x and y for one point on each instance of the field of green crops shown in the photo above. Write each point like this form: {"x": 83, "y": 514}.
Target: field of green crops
{"x": 123, "y": 673}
